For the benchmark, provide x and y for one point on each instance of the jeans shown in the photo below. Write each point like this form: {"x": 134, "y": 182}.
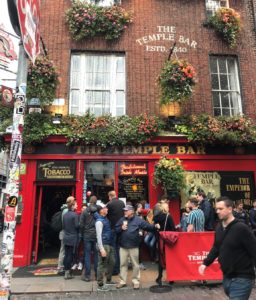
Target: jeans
{"x": 117, "y": 255}
{"x": 68, "y": 257}
{"x": 90, "y": 247}
{"x": 238, "y": 288}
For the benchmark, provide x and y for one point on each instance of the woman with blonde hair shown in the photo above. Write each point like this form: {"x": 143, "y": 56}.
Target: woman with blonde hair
{"x": 166, "y": 223}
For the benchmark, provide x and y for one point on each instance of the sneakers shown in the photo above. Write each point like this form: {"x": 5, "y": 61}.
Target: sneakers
{"x": 68, "y": 275}
{"x": 142, "y": 266}
{"x": 120, "y": 285}
{"x": 80, "y": 266}
{"x": 74, "y": 267}
{"x": 136, "y": 286}
{"x": 110, "y": 282}
{"x": 102, "y": 288}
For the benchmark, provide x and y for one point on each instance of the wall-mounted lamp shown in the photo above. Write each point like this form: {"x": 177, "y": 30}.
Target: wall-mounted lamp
{"x": 57, "y": 119}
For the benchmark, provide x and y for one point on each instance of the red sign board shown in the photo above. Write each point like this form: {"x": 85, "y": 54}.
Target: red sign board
{"x": 9, "y": 215}
{"x": 28, "y": 12}
{"x": 187, "y": 254}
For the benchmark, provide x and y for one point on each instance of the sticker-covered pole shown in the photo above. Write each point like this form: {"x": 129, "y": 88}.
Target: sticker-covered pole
{"x": 13, "y": 180}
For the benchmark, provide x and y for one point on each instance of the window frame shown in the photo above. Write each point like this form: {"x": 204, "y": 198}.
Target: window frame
{"x": 237, "y": 82}
{"x": 82, "y": 86}
{"x": 94, "y": 2}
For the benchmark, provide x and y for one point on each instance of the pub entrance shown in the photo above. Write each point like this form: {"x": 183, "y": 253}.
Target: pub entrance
{"x": 49, "y": 200}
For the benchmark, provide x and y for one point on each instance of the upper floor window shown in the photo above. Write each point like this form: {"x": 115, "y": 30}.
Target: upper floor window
{"x": 104, "y": 2}
{"x": 213, "y": 5}
{"x": 97, "y": 84}
{"x": 225, "y": 86}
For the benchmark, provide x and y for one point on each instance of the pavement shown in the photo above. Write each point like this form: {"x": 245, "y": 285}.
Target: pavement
{"x": 56, "y": 288}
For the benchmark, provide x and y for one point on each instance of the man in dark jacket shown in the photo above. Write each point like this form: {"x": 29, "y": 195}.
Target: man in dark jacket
{"x": 128, "y": 227}
{"x": 206, "y": 207}
{"x": 235, "y": 247}
{"x": 252, "y": 216}
{"x": 88, "y": 232}
{"x": 115, "y": 212}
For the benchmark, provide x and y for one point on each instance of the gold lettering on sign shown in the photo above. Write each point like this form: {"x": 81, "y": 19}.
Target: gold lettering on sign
{"x": 133, "y": 169}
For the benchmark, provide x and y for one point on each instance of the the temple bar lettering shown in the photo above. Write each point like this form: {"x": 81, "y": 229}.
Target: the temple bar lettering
{"x": 56, "y": 170}
{"x": 146, "y": 149}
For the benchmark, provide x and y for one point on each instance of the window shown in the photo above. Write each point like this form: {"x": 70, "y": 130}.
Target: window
{"x": 213, "y": 5}
{"x": 104, "y": 2}
{"x": 97, "y": 84}
{"x": 225, "y": 86}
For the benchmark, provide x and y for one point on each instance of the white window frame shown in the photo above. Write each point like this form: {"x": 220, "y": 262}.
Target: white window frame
{"x": 233, "y": 95}
{"x": 79, "y": 85}
{"x": 104, "y": 2}
{"x": 212, "y": 6}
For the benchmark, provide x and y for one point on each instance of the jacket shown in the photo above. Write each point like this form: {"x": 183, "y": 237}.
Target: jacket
{"x": 209, "y": 214}
{"x": 87, "y": 223}
{"x": 71, "y": 227}
{"x": 130, "y": 238}
{"x": 104, "y": 232}
{"x": 115, "y": 211}
{"x": 235, "y": 248}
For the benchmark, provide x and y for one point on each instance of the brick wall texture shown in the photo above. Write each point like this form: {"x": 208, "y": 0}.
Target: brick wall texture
{"x": 170, "y": 21}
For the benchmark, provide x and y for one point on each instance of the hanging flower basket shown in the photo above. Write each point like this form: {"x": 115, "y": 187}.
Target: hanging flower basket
{"x": 43, "y": 80}
{"x": 176, "y": 81}
{"x": 170, "y": 174}
{"x": 227, "y": 24}
{"x": 87, "y": 20}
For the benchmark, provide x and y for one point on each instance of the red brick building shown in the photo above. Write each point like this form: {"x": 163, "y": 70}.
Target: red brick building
{"x": 122, "y": 74}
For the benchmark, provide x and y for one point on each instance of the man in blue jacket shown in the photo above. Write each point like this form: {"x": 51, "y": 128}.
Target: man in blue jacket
{"x": 128, "y": 228}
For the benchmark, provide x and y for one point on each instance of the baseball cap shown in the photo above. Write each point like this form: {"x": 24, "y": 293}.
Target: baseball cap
{"x": 101, "y": 206}
{"x": 128, "y": 207}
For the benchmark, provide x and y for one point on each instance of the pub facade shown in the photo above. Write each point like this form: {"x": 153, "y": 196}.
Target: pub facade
{"x": 118, "y": 77}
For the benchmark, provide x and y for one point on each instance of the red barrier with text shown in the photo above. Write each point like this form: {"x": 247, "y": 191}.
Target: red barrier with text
{"x": 186, "y": 255}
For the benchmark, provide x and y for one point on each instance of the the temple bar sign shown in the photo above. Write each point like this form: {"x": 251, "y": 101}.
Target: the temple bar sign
{"x": 56, "y": 170}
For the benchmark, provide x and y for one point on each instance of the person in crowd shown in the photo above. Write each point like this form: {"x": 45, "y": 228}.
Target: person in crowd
{"x": 206, "y": 206}
{"x": 235, "y": 247}
{"x": 70, "y": 239}
{"x": 106, "y": 250}
{"x": 138, "y": 212}
{"x": 240, "y": 213}
{"x": 88, "y": 233}
{"x": 196, "y": 217}
{"x": 184, "y": 217}
{"x": 252, "y": 216}
{"x": 128, "y": 228}
{"x": 164, "y": 219}
{"x": 150, "y": 237}
{"x": 60, "y": 268}
{"x": 115, "y": 212}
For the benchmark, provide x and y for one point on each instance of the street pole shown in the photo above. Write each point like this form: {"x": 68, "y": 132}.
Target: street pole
{"x": 13, "y": 180}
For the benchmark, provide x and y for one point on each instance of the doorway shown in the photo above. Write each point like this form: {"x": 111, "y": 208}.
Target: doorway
{"x": 49, "y": 199}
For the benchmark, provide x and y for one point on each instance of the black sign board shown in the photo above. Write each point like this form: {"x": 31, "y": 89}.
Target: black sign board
{"x": 56, "y": 170}
{"x": 238, "y": 186}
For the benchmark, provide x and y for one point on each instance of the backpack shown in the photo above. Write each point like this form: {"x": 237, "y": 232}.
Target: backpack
{"x": 56, "y": 221}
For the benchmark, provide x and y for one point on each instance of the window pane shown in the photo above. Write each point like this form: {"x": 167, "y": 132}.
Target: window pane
{"x": 217, "y": 112}
{"x": 215, "y": 82}
{"x": 226, "y": 112}
{"x": 224, "y": 82}
{"x": 216, "y": 99}
{"x": 99, "y": 179}
{"x": 120, "y": 101}
{"x": 213, "y": 64}
{"x": 225, "y": 100}
{"x": 222, "y": 65}
{"x": 133, "y": 181}
{"x": 120, "y": 65}
{"x": 120, "y": 112}
{"x": 120, "y": 81}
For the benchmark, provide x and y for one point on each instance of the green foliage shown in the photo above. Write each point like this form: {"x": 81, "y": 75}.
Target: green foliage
{"x": 39, "y": 126}
{"x": 102, "y": 131}
{"x": 170, "y": 174}
{"x": 6, "y": 114}
{"x": 88, "y": 20}
{"x": 176, "y": 81}
{"x": 205, "y": 129}
{"x": 43, "y": 80}
{"x": 226, "y": 23}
